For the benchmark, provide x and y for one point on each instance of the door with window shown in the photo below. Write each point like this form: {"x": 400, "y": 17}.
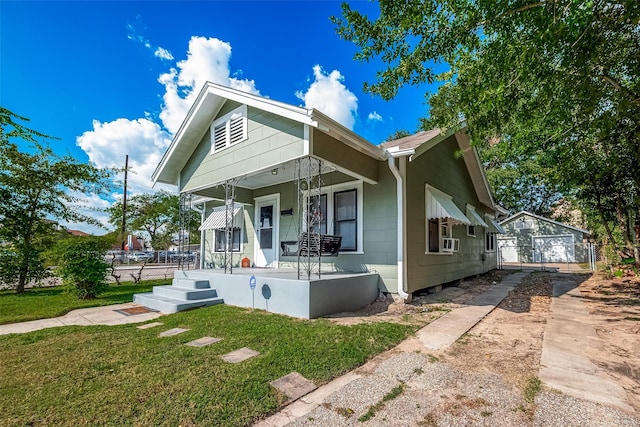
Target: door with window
{"x": 266, "y": 225}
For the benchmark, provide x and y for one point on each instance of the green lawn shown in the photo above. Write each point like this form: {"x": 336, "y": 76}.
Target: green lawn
{"x": 119, "y": 375}
{"x": 42, "y": 303}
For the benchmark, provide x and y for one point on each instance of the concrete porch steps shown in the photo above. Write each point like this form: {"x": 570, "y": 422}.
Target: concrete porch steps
{"x": 182, "y": 295}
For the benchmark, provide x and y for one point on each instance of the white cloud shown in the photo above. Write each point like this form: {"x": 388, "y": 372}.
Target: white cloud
{"x": 328, "y": 94}
{"x": 143, "y": 140}
{"x": 135, "y": 34}
{"x": 374, "y": 117}
{"x": 163, "y": 53}
{"x": 91, "y": 205}
{"x": 207, "y": 60}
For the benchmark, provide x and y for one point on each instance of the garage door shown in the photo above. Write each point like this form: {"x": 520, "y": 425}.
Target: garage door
{"x": 508, "y": 247}
{"x": 553, "y": 249}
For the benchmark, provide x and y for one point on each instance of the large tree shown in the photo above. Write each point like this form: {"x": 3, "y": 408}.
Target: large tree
{"x": 36, "y": 189}
{"x": 157, "y": 214}
{"x": 553, "y": 85}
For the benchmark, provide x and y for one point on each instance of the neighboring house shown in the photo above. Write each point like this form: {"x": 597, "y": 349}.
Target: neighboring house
{"x": 78, "y": 233}
{"x": 531, "y": 238}
{"x": 411, "y": 214}
{"x": 132, "y": 243}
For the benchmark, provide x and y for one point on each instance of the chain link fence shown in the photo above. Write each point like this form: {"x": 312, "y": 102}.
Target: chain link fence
{"x": 129, "y": 265}
{"x": 563, "y": 257}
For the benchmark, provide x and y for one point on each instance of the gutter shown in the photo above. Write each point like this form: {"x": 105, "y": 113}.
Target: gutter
{"x": 400, "y": 185}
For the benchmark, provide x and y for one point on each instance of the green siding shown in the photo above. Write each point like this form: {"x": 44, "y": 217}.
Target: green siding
{"x": 346, "y": 157}
{"x": 440, "y": 168}
{"x": 540, "y": 228}
{"x": 379, "y": 227}
{"x": 271, "y": 140}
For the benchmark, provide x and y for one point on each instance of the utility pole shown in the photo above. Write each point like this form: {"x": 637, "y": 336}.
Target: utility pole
{"x": 124, "y": 202}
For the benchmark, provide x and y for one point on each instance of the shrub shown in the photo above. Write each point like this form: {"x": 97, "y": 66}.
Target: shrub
{"x": 82, "y": 265}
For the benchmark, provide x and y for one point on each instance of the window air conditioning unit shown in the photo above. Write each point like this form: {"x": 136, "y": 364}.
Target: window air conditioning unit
{"x": 450, "y": 245}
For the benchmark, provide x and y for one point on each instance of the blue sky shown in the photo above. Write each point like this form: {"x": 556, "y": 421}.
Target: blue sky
{"x": 115, "y": 78}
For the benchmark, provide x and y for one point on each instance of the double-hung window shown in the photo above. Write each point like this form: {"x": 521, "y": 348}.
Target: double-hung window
{"x": 338, "y": 211}
{"x": 229, "y": 129}
{"x": 490, "y": 241}
{"x": 221, "y": 239}
{"x": 227, "y": 228}
{"x": 345, "y": 216}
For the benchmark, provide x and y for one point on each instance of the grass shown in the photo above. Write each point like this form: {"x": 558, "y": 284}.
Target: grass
{"x": 533, "y": 387}
{"x": 42, "y": 303}
{"x": 120, "y": 375}
{"x": 371, "y": 412}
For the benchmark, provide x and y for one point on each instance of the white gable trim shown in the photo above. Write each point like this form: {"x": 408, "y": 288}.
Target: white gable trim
{"x": 206, "y": 107}
{"x": 541, "y": 218}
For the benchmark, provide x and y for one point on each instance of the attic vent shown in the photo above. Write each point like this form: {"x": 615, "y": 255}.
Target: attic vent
{"x": 229, "y": 129}
{"x": 236, "y": 130}
{"x": 219, "y": 137}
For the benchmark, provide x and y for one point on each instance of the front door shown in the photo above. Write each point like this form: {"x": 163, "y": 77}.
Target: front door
{"x": 266, "y": 225}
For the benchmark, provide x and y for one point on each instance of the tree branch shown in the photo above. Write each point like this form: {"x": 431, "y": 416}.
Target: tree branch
{"x": 514, "y": 11}
{"x": 607, "y": 78}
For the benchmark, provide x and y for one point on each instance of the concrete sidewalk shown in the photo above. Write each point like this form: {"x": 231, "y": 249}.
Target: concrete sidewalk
{"x": 367, "y": 385}
{"x": 446, "y": 330}
{"x": 105, "y": 315}
{"x": 564, "y": 366}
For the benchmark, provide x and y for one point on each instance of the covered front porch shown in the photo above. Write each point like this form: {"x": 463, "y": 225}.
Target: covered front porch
{"x": 275, "y": 290}
{"x": 299, "y": 215}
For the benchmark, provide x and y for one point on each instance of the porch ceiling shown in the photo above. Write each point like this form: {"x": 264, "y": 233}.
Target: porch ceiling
{"x": 276, "y": 175}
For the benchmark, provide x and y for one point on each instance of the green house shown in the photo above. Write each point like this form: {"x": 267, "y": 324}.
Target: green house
{"x": 295, "y": 195}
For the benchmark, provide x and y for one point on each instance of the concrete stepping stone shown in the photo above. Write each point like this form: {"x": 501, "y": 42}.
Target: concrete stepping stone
{"x": 293, "y": 385}
{"x": 204, "y": 341}
{"x": 172, "y": 332}
{"x": 239, "y": 355}
{"x": 150, "y": 325}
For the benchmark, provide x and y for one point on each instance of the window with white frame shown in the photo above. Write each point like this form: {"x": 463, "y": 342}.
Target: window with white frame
{"x": 523, "y": 224}
{"x": 220, "y": 238}
{"x": 345, "y": 205}
{"x": 338, "y": 211}
{"x": 235, "y": 230}
{"x": 490, "y": 241}
{"x": 229, "y": 129}
{"x": 440, "y": 236}
{"x": 471, "y": 230}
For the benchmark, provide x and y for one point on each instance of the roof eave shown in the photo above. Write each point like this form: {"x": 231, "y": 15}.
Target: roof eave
{"x": 331, "y": 127}
{"x": 218, "y": 95}
{"x": 516, "y": 215}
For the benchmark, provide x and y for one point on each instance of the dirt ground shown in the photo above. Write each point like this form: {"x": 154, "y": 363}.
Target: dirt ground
{"x": 508, "y": 342}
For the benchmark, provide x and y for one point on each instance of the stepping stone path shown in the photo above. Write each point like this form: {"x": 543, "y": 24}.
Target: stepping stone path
{"x": 201, "y": 342}
{"x": 293, "y": 385}
{"x": 239, "y": 355}
{"x": 172, "y": 332}
{"x": 150, "y": 325}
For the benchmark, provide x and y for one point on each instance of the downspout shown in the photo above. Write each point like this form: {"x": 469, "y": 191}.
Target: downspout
{"x": 402, "y": 272}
